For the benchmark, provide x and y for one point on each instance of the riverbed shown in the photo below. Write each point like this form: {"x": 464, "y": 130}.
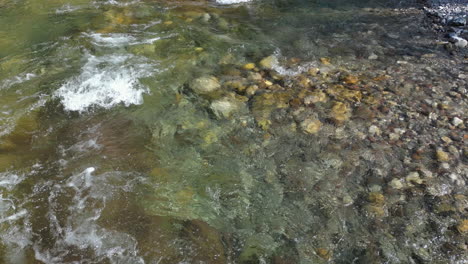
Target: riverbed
{"x": 230, "y": 131}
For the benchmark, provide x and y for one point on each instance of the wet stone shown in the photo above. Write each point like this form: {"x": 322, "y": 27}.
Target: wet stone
{"x": 413, "y": 178}
{"x": 205, "y": 85}
{"x": 340, "y": 112}
{"x": 442, "y": 156}
{"x": 268, "y": 62}
{"x": 311, "y": 126}
{"x": 376, "y": 198}
{"x": 226, "y": 107}
{"x": 462, "y": 227}
{"x": 396, "y": 184}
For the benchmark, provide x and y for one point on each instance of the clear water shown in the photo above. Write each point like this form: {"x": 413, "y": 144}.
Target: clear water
{"x": 107, "y": 156}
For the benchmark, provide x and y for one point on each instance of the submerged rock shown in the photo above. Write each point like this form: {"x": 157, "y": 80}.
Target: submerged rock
{"x": 457, "y": 121}
{"x": 340, "y": 112}
{"x": 350, "y": 79}
{"x": 249, "y": 66}
{"x": 463, "y": 226}
{"x": 413, "y": 178}
{"x": 205, "y": 85}
{"x": 226, "y": 107}
{"x": 442, "y": 156}
{"x": 459, "y": 42}
{"x": 323, "y": 253}
{"x": 396, "y": 184}
{"x": 311, "y": 126}
{"x": 269, "y": 62}
{"x": 316, "y": 97}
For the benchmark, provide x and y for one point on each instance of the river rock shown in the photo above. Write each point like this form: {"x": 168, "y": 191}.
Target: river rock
{"x": 463, "y": 226}
{"x": 374, "y": 130}
{"x": 315, "y": 97}
{"x": 350, "y": 79}
{"x": 205, "y": 85}
{"x": 269, "y": 62}
{"x": 249, "y": 66}
{"x": 376, "y": 198}
{"x": 459, "y": 42}
{"x": 442, "y": 156}
{"x": 457, "y": 121}
{"x": 458, "y": 21}
{"x": 340, "y": 112}
{"x": 413, "y": 177}
{"x": 311, "y": 126}
{"x": 396, "y": 184}
{"x": 225, "y": 107}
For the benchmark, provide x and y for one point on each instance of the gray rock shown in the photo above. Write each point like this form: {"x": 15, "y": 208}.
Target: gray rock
{"x": 205, "y": 85}
{"x": 459, "y": 42}
{"x": 457, "y": 121}
{"x": 225, "y": 107}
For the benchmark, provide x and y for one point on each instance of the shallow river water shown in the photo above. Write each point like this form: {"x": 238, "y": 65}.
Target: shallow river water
{"x": 217, "y": 132}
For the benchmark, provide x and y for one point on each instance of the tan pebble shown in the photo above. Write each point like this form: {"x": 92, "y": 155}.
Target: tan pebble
{"x": 376, "y": 198}
{"x": 340, "y": 112}
{"x": 442, "y": 155}
{"x": 375, "y": 210}
{"x": 323, "y": 253}
{"x": 313, "y": 71}
{"x": 268, "y": 62}
{"x": 325, "y": 61}
{"x": 396, "y": 184}
{"x": 446, "y": 139}
{"x": 249, "y": 66}
{"x": 463, "y": 226}
{"x": 350, "y": 79}
{"x": 251, "y": 90}
{"x": 413, "y": 177}
{"x": 311, "y": 126}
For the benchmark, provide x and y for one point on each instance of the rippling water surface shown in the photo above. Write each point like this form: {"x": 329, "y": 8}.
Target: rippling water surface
{"x": 107, "y": 155}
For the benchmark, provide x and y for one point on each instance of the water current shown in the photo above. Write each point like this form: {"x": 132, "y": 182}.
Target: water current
{"x": 147, "y": 131}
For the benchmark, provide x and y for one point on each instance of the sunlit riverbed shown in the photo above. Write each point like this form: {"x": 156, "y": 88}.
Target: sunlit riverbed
{"x": 227, "y": 132}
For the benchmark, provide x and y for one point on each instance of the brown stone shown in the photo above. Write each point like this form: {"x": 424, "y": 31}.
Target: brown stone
{"x": 323, "y": 253}
{"x": 462, "y": 227}
{"x": 350, "y": 79}
{"x": 376, "y": 198}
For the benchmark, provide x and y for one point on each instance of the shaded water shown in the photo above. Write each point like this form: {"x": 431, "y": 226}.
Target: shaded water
{"x": 107, "y": 155}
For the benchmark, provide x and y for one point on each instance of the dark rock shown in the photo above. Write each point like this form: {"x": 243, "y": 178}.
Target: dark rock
{"x": 457, "y": 21}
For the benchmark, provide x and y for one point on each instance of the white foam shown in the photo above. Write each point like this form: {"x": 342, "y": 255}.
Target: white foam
{"x": 24, "y": 77}
{"x": 117, "y": 39}
{"x": 231, "y": 2}
{"x": 111, "y": 39}
{"x": 9, "y": 180}
{"x": 67, "y": 8}
{"x": 85, "y": 146}
{"x": 79, "y": 229}
{"x": 105, "y": 82}
{"x": 117, "y": 3}
{"x": 15, "y": 217}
